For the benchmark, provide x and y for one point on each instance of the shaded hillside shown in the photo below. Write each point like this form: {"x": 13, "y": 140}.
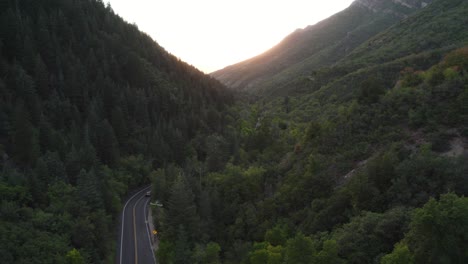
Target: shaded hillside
{"x": 363, "y": 180}
{"x": 417, "y": 42}
{"x": 356, "y": 163}
{"x": 317, "y": 46}
{"x": 88, "y": 106}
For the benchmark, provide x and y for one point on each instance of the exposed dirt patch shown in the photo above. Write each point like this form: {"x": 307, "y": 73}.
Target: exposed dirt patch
{"x": 458, "y": 147}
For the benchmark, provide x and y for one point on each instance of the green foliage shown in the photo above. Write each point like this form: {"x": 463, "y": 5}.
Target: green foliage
{"x": 370, "y": 91}
{"x": 26, "y": 145}
{"x": 181, "y": 247}
{"x": 438, "y": 231}
{"x": 369, "y": 235}
{"x": 346, "y": 162}
{"x": 266, "y": 253}
{"x": 80, "y": 127}
{"x": 181, "y": 212}
{"x": 400, "y": 255}
{"x": 74, "y": 257}
{"x": 165, "y": 253}
{"x": 259, "y": 256}
{"x": 302, "y": 57}
{"x": 276, "y": 236}
{"x": 361, "y": 168}
{"x": 329, "y": 253}
{"x": 209, "y": 253}
{"x": 299, "y": 249}
{"x": 212, "y": 253}
{"x": 458, "y": 58}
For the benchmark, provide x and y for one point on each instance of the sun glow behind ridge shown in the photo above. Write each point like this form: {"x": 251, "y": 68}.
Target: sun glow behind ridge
{"x": 212, "y": 34}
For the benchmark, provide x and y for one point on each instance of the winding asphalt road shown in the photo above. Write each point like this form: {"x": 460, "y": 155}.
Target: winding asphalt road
{"x": 134, "y": 241}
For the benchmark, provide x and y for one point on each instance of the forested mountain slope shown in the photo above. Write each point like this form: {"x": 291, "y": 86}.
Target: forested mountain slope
{"x": 417, "y": 42}
{"x": 88, "y": 106}
{"x": 362, "y": 161}
{"x": 317, "y": 46}
{"x": 378, "y": 178}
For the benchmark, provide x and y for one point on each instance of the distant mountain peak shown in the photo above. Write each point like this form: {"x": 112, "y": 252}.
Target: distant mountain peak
{"x": 388, "y": 5}
{"x": 342, "y": 38}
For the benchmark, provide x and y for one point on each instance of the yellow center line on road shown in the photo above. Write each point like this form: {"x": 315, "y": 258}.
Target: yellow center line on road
{"x": 134, "y": 233}
{"x": 134, "y": 229}
{"x": 134, "y": 225}
{"x": 123, "y": 222}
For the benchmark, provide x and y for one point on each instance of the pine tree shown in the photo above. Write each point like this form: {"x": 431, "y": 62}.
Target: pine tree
{"x": 206, "y": 213}
{"x": 88, "y": 157}
{"x": 45, "y": 134}
{"x": 5, "y": 126}
{"x": 55, "y": 166}
{"x": 73, "y": 165}
{"x": 24, "y": 88}
{"x": 35, "y": 189}
{"x": 119, "y": 123}
{"x": 8, "y": 31}
{"x": 88, "y": 189}
{"x": 181, "y": 210}
{"x": 25, "y": 142}
{"x": 41, "y": 77}
{"x": 107, "y": 147}
{"x": 182, "y": 247}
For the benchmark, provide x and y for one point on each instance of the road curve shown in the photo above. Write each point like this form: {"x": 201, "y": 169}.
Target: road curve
{"x": 134, "y": 240}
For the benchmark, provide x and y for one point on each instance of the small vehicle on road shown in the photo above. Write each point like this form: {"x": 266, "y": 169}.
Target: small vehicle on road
{"x": 148, "y": 194}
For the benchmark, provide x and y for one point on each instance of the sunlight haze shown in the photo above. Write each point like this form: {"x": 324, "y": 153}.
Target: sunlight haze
{"x": 212, "y": 34}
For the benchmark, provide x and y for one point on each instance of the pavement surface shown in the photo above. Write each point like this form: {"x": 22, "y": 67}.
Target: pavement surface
{"x": 135, "y": 243}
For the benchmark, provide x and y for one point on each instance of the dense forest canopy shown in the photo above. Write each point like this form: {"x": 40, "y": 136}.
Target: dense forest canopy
{"x": 310, "y": 181}
{"x": 89, "y": 105}
{"x": 364, "y": 163}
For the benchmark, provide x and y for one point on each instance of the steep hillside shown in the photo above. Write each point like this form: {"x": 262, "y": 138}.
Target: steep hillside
{"x": 356, "y": 163}
{"x": 416, "y": 42}
{"x": 364, "y": 160}
{"x": 317, "y": 46}
{"x": 331, "y": 181}
{"x": 88, "y": 106}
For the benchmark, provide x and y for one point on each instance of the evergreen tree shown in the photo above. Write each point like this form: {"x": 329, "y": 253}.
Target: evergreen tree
{"x": 41, "y": 77}
{"x": 46, "y": 138}
{"x": 72, "y": 165}
{"x": 55, "y": 166}
{"x": 107, "y": 146}
{"x": 25, "y": 142}
{"x": 5, "y": 125}
{"x": 24, "y": 87}
{"x": 65, "y": 109}
{"x": 182, "y": 252}
{"x": 88, "y": 189}
{"x": 181, "y": 210}
{"x": 119, "y": 123}
{"x": 43, "y": 175}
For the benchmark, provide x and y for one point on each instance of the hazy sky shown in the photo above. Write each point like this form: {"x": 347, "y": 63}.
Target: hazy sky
{"x": 212, "y": 34}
